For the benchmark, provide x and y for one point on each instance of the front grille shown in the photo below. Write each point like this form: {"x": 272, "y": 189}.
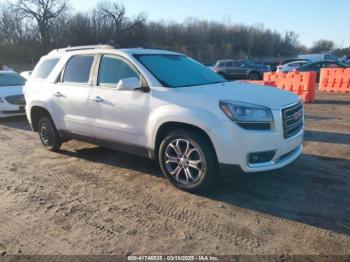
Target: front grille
{"x": 293, "y": 120}
{"x": 16, "y": 100}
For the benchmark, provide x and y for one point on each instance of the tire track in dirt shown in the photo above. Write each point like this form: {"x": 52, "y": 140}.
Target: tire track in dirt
{"x": 193, "y": 219}
{"x": 189, "y": 217}
{"x": 192, "y": 216}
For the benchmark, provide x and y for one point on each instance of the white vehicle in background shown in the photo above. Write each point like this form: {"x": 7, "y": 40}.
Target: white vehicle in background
{"x": 26, "y": 74}
{"x": 12, "y": 100}
{"x": 319, "y": 57}
{"x": 291, "y": 66}
{"x": 165, "y": 106}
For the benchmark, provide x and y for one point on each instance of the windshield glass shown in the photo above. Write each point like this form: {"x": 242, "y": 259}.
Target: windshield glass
{"x": 11, "y": 79}
{"x": 179, "y": 71}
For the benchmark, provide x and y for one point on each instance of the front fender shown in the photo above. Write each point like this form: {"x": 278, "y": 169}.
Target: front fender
{"x": 203, "y": 119}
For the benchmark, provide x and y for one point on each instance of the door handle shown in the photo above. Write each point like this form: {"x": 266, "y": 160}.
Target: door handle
{"x": 98, "y": 99}
{"x": 58, "y": 94}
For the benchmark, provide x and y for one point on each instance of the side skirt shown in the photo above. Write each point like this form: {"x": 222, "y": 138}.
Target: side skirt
{"x": 118, "y": 146}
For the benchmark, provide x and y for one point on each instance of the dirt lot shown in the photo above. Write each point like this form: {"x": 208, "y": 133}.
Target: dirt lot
{"x": 90, "y": 200}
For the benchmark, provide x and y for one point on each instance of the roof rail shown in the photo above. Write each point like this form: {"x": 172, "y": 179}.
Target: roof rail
{"x": 77, "y": 48}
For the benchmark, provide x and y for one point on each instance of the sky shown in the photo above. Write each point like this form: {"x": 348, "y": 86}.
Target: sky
{"x": 310, "y": 19}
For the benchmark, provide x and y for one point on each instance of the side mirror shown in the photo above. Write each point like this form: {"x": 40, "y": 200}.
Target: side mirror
{"x": 131, "y": 83}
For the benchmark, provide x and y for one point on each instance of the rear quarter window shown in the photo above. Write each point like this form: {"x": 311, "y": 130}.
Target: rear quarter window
{"x": 45, "y": 68}
{"x": 78, "y": 69}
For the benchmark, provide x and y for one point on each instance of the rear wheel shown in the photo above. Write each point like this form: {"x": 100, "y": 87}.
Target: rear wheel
{"x": 188, "y": 160}
{"x": 254, "y": 76}
{"x": 48, "y": 134}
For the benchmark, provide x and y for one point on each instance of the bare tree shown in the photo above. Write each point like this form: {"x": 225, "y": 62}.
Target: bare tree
{"x": 43, "y": 12}
{"x": 322, "y": 45}
{"x": 115, "y": 14}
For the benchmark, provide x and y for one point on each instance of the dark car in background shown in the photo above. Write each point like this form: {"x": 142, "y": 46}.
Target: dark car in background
{"x": 240, "y": 69}
{"x": 346, "y": 60}
{"x": 317, "y": 66}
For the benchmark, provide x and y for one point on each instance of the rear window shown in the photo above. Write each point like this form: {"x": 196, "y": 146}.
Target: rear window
{"x": 78, "y": 69}
{"x": 11, "y": 79}
{"x": 45, "y": 68}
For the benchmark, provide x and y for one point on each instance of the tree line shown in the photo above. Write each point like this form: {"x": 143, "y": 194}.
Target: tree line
{"x": 30, "y": 28}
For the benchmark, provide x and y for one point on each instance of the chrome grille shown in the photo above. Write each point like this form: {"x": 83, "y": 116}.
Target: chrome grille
{"x": 293, "y": 120}
{"x": 16, "y": 100}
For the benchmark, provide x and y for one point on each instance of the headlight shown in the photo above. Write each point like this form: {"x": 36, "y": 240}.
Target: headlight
{"x": 248, "y": 116}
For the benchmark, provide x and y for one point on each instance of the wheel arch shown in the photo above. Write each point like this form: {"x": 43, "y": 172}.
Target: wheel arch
{"x": 36, "y": 112}
{"x": 169, "y": 126}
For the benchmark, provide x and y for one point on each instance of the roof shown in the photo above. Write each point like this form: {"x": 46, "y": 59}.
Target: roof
{"x": 226, "y": 60}
{"x": 143, "y": 51}
{"x": 101, "y": 48}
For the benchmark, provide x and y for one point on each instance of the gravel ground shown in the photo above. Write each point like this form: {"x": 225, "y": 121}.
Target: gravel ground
{"x": 94, "y": 201}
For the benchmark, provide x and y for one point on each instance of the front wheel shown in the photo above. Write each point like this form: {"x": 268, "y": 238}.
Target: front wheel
{"x": 188, "y": 160}
{"x": 48, "y": 134}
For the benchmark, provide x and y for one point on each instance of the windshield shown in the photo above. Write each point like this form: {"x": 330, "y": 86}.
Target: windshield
{"x": 11, "y": 79}
{"x": 179, "y": 71}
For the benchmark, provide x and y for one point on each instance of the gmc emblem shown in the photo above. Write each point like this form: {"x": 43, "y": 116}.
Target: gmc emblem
{"x": 297, "y": 115}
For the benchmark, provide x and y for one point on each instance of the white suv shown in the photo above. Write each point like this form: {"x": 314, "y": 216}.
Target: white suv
{"x": 165, "y": 106}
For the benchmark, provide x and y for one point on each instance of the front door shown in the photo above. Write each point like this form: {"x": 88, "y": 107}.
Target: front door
{"x": 118, "y": 115}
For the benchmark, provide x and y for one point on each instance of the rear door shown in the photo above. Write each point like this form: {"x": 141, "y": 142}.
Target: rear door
{"x": 71, "y": 95}
{"x": 240, "y": 70}
{"x": 230, "y": 69}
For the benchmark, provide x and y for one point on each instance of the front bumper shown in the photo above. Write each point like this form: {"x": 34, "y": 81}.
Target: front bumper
{"x": 8, "y": 110}
{"x": 233, "y": 146}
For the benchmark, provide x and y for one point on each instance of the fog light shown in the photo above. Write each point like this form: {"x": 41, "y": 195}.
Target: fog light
{"x": 261, "y": 157}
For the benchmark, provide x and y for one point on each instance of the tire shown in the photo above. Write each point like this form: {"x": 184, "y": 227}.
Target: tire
{"x": 175, "y": 163}
{"x": 48, "y": 134}
{"x": 254, "y": 76}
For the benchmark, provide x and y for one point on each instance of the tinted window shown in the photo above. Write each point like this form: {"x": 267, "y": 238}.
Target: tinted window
{"x": 295, "y": 65}
{"x": 179, "y": 70}
{"x": 11, "y": 79}
{"x": 45, "y": 68}
{"x": 237, "y": 64}
{"x": 229, "y": 64}
{"x": 113, "y": 69}
{"x": 78, "y": 69}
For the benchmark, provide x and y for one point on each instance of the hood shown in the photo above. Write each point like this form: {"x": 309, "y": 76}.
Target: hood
{"x": 10, "y": 90}
{"x": 270, "y": 97}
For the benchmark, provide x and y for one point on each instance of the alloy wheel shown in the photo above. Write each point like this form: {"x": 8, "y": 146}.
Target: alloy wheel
{"x": 184, "y": 161}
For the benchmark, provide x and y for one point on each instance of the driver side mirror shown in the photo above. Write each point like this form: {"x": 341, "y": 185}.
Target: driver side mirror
{"x": 130, "y": 84}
